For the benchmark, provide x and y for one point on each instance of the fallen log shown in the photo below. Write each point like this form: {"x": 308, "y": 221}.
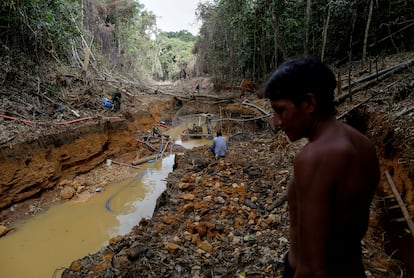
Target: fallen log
{"x": 123, "y": 164}
{"x": 146, "y": 159}
{"x": 245, "y": 103}
{"x": 400, "y": 203}
{"x": 370, "y": 79}
{"x": 353, "y": 107}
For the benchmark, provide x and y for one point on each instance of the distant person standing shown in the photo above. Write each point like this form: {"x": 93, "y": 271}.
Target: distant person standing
{"x": 219, "y": 146}
{"x": 116, "y": 100}
{"x": 197, "y": 89}
{"x": 208, "y": 123}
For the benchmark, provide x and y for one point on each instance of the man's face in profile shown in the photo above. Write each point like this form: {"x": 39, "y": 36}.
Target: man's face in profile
{"x": 290, "y": 118}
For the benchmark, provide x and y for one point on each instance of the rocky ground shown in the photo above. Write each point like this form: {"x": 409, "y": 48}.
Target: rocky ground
{"x": 225, "y": 218}
{"x": 228, "y": 218}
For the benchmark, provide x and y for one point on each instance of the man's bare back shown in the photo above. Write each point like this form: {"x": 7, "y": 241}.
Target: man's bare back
{"x": 335, "y": 174}
{"x": 330, "y": 200}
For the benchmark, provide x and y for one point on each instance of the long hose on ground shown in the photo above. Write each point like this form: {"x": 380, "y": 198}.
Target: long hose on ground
{"x": 132, "y": 183}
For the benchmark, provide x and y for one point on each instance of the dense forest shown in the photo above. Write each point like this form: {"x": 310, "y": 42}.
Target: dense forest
{"x": 238, "y": 38}
{"x": 62, "y": 60}
{"x": 113, "y": 35}
{"x": 242, "y": 38}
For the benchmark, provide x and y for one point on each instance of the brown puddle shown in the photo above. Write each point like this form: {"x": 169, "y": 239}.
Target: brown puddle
{"x": 68, "y": 231}
{"x": 47, "y": 243}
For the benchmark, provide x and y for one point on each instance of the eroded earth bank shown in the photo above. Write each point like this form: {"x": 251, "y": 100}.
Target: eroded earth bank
{"x": 225, "y": 218}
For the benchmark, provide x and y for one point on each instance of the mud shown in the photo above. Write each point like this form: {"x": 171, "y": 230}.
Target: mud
{"x": 36, "y": 171}
{"x": 223, "y": 218}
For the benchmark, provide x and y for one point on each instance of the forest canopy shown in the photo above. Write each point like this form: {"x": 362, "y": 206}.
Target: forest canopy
{"x": 249, "y": 38}
{"x": 238, "y": 38}
{"x": 121, "y": 34}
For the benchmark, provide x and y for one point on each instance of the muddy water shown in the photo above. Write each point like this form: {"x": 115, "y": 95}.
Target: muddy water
{"x": 71, "y": 230}
{"x": 176, "y": 132}
{"x": 47, "y": 243}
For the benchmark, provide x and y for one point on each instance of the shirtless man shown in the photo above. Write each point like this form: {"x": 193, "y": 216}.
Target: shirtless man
{"x": 335, "y": 174}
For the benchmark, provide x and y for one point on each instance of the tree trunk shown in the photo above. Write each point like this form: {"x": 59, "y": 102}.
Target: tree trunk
{"x": 82, "y": 14}
{"x": 276, "y": 33}
{"x": 325, "y": 33}
{"x": 307, "y": 20}
{"x": 364, "y": 49}
{"x": 354, "y": 16}
{"x": 353, "y": 20}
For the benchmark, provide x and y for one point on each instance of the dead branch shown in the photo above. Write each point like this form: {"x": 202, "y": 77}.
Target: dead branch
{"x": 391, "y": 35}
{"x": 257, "y": 107}
{"x": 400, "y": 203}
{"x": 55, "y": 102}
{"x": 354, "y": 107}
{"x": 242, "y": 120}
{"x": 406, "y": 110}
{"x": 372, "y": 78}
{"x": 119, "y": 81}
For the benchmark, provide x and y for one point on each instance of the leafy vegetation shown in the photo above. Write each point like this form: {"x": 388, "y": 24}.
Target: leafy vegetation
{"x": 122, "y": 32}
{"x": 249, "y": 38}
{"x": 238, "y": 38}
{"x": 39, "y": 27}
{"x": 175, "y": 53}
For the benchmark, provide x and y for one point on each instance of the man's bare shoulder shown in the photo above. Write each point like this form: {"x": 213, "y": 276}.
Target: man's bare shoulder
{"x": 327, "y": 159}
{"x": 328, "y": 151}
{"x": 358, "y": 138}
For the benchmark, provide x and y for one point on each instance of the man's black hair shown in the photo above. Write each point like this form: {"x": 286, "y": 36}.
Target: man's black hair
{"x": 219, "y": 133}
{"x": 297, "y": 77}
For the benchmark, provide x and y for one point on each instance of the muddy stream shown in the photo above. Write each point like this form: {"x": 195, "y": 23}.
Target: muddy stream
{"x": 43, "y": 245}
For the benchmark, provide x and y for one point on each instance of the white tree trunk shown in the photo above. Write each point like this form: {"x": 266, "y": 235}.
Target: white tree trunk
{"x": 364, "y": 49}
{"x": 325, "y": 33}
{"x": 307, "y": 21}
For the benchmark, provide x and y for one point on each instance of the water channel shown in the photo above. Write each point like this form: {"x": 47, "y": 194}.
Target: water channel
{"x": 44, "y": 245}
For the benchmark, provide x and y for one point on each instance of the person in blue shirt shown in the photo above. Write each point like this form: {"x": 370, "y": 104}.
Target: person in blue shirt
{"x": 219, "y": 146}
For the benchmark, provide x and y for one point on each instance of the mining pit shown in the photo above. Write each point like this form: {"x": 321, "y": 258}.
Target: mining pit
{"x": 221, "y": 218}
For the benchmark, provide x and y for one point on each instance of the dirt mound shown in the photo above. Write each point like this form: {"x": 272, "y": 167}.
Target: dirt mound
{"x": 222, "y": 218}
{"x": 228, "y": 218}
{"x": 216, "y": 218}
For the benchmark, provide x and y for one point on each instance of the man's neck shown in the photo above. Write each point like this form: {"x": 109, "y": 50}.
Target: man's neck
{"x": 320, "y": 125}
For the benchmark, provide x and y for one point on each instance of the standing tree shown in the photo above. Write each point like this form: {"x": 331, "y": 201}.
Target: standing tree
{"x": 325, "y": 30}
{"x": 364, "y": 49}
{"x": 307, "y": 23}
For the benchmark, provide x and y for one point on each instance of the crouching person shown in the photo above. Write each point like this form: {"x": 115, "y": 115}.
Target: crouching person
{"x": 219, "y": 146}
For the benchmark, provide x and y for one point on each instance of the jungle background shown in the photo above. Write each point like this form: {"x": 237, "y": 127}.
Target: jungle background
{"x": 238, "y": 38}
{"x": 60, "y": 57}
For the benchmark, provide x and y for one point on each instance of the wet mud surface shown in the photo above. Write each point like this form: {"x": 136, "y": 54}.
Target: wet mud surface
{"x": 225, "y": 218}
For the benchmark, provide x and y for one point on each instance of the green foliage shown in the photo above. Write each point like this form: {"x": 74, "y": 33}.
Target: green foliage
{"x": 136, "y": 47}
{"x": 40, "y": 27}
{"x": 175, "y": 52}
{"x": 238, "y": 38}
{"x": 392, "y": 26}
{"x": 183, "y": 35}
{"x": 121, "y": 30}
{"x": 249, "y": 38}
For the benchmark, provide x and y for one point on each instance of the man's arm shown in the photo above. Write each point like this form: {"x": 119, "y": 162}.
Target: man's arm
{"x": 317, "y": 172}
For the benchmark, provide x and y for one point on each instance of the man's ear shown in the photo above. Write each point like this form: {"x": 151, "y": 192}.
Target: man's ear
{"x": 310, "y": 102}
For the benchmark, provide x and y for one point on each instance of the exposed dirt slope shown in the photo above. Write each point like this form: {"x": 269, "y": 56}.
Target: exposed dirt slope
{"x": 228, "y": 218}
{"x": 225, "y": 218}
